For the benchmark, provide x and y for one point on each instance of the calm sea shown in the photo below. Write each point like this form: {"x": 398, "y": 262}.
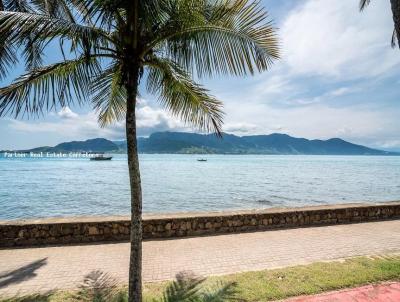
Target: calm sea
{"x": 46, "y": 187}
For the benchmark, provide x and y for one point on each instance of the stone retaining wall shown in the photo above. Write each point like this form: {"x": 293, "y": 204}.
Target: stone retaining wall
{"x": 100, "y": 229}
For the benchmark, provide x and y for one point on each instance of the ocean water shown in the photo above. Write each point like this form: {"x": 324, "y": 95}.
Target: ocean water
{"x": 48, "y": 187}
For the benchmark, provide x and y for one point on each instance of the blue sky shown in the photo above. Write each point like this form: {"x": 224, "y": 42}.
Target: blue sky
{"x": 338, "y": 77}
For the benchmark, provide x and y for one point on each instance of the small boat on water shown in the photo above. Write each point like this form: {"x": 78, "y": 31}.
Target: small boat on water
{"x": 101, "y": 157}
{"x": 201, "y": 159}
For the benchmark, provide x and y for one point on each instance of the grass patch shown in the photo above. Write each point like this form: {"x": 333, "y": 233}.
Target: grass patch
{"x": 314, "y": 278}
{"x": 280, "y": 283}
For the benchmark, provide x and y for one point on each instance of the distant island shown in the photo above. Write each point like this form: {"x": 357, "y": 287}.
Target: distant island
{"x": 191, "y": 143}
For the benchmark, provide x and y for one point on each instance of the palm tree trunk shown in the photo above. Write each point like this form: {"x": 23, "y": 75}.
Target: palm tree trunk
{"x": 396, "y": 18}
{"x": 135, "y": 263}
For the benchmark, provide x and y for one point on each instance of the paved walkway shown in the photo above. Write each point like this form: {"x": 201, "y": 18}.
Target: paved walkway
{"x": 389, "y": 292}
{"x": 42, "y": 269}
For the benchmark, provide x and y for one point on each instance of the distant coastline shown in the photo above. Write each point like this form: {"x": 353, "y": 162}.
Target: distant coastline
{"x": 191, "y": 143}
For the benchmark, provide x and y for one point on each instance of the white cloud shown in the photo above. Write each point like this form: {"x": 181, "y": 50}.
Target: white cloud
{"x": 304, "y": 101}
{"x": 341, "y": 91}
{"x": 67, "y": 113}
{"x": 326, "y": 96}
{"x": 331, "y": 38}
{"x": 151, "y": 120}
{"x": 272, "y": 85}
{"x": 389, "y": 144}
{"x": 313, "y": 117}
{"x": 83, "y": 126}
{"x": 240, "y": 128}
{"x": 357, "y": 123}
{"x": 70, "y": 125}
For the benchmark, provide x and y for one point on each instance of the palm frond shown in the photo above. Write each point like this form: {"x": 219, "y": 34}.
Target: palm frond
{"x": 8, "y": 59}
{"x": 218, "y": 38}
{"x": 109, "y": 98}
{"x": 49, "y": 87}
{"x": 56, "y": 8}
{"x": 153, "y": 14}
{"x": 108, "y": 13}
{"x": 182, "y": 97}
{"x": 185, "y": 288}
{"x": 96, "y": 286}
{"x": 17, "y": 26}
{"x": 82, "y": 9}
{"x": 102, "y": 14}
{"x": 32, "y": 47}
{"x": 394, "y": 39}
{"x": 363, "y": 4}
{"x": 220, "y": 293}
{"x": 17, "y": 5}
{"x": 33, "y": 52}
{"x": 99, "y": 287}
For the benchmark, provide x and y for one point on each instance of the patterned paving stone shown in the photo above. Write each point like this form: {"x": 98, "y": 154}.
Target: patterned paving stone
{"x": 63, "y": 267}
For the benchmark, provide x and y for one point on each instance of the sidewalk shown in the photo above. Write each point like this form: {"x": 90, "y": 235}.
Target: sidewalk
{"x": 42, "y": 269}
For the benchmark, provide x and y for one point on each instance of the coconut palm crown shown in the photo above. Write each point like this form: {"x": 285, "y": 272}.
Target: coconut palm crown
{"x": 111, "y": 48}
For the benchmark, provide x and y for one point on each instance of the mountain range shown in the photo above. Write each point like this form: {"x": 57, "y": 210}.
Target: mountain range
{"x": 191, "y": 143}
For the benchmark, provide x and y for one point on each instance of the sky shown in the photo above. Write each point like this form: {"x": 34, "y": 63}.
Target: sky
{"x": 338, "y": 77}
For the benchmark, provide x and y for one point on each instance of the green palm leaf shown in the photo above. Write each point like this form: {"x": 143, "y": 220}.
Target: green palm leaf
{"x": 186, "y": 288}
{"x": 223, "y": 39}
{"x": 17, "y": 6}
{"x": 49, "y": 87}
{"x": 364, "y": 4}
{"x": 394, "y": 40}
{"x": 220, "y": 293}
{"x": 8, "y": 58}
{"x": 109, "y": 98}
{"x": 17, "y": 26}
{"x": 58, "y": 9}
{"x": 183, "y": 97}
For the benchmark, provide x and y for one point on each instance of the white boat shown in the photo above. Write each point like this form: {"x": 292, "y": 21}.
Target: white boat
{"x": 101, "y": 157}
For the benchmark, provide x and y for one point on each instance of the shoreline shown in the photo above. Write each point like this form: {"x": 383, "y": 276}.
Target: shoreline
{"x": 192, "y": 214}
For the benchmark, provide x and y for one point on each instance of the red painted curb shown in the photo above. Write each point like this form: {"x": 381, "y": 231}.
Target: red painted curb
{"x": 388, "y": 292}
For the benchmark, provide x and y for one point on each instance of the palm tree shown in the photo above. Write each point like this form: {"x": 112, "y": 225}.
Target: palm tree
{"x": 396, "y": 18}
{"x": 111, "y": 48}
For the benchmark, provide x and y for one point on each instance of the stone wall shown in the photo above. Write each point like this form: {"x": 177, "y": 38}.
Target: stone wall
{"x": 100, "y": 229}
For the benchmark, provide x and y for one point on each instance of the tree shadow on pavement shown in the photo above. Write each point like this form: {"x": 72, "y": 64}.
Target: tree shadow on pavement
{"x": 21, "y": 274}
